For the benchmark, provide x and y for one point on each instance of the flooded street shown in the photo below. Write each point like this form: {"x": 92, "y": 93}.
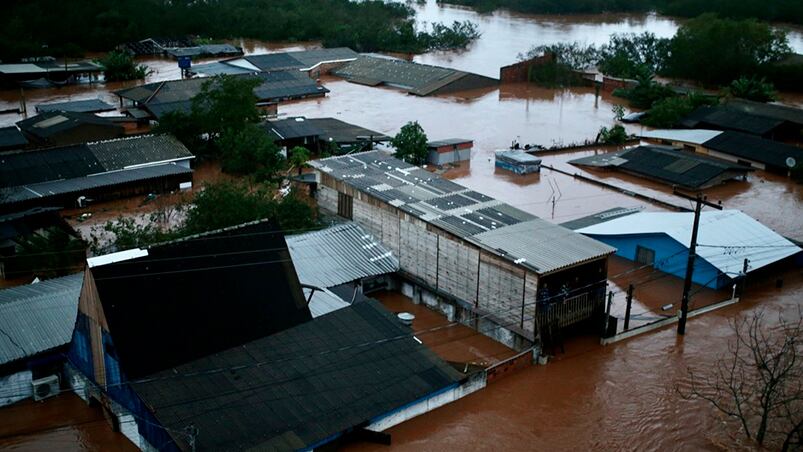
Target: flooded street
{"x": 615, "y": 397}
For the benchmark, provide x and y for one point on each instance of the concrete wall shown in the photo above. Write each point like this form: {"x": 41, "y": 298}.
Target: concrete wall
{"x": 609, "y": 84}
{"x": 429, "y": 403}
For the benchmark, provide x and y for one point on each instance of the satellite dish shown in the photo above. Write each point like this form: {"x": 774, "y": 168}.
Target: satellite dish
{"x": 791, "y": 162}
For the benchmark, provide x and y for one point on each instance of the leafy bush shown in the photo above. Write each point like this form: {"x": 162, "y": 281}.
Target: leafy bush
{"x": 119, "y": 66}
{"x": 628, "y": 55}
{"x": 616, "y": 135}
{"x": 752, "y": 88}
{"x": 250, "y": 150}
{"x": 411, "y": 143}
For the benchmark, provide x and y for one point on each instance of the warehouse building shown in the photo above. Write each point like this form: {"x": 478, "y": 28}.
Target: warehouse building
{"x": 415, "y": 78}
{"x": 484, "y": 263}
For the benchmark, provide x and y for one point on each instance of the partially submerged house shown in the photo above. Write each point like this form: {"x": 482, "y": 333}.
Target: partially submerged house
{"x": 415, "y": 78}
{"x": 318, "y": 134}
{"x": 449, "y": 150}
{"x": 207, "y": 343}
{"x": 661, "y": 240}
{"x": 668, "y": 165}
{"x": 771, "y": 121}
{"x": 742, "y": 148}
{"x": 76, "y": 106}
{"x": 477, "y": 259}
{"x": 313, "y": 63}
{"x": 66, "y": 176}
{"x": 59, "y": 128}
{"x": 37, "y": 322}
{"x": 338, "y": 265}
{"x": 47, "y": 73}
{"x": 159, "y": 98}
{"x": 12, "y": 138}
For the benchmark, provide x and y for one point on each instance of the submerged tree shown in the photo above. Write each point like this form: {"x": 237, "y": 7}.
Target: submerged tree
{"x": 752, "y": 88}
{"x": 759, "y": 383}
{"x": 411, "y": 143}
{"x": 118, "y": 66}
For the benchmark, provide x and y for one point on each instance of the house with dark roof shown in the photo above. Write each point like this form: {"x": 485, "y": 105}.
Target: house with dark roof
{"x": 37, "y": 322}
{"x": 754, "y": 151}
{"x": 69, "y": 176}
{"x": 160, "y": 98}
{"x": 771, "y": 121}
{"x": 59, "y": 128}
{"x": 11, "y": 138}
{"x": 76, "y": 106}
{"x": 668, "y": 165}
{"x": 415, "y": 78}
{"x": 317, "y": 134}
{"x": 207, "y": 343}
{"x": 465, "y": 253}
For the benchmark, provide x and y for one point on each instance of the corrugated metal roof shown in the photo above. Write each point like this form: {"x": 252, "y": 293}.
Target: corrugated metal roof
{"x": 725, "y": 238}
{"x": 38, "y": 317}
{"x": 448, "y": 142}
{"x": 323, "y": 302}
{"x": 11, "y": 137}
{"x": 692, "y": 136}
{"x": 139, "y": 150}
{"x": 496, "y": 227}
{"x": 339, "y": 254}
{"x": 60, "y": 187}
{"x": 755, "y": 148}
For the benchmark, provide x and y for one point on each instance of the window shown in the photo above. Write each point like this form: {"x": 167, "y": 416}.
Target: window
{"x": 645, "y": 256}
{"x": 688, "y": 147}
{"x": 345, "y": 206}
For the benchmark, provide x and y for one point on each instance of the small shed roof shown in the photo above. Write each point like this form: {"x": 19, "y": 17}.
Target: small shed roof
{"x": 724, "y": 240}
{"x": 80, "y": 106}
{"x": 691, "y": 136}
{"x": 339, "y": 254}
{"x": 448, "y": 142}
{"x": 38, "y": 317}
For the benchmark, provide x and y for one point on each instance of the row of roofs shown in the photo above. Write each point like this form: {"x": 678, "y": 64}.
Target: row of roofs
{"x": 303, "y": 61}
{"x": 178, "y": 47}
{"x": 54, "y": 175}
{"x": 154, "y": 100}
{"x": 485, "y": 222}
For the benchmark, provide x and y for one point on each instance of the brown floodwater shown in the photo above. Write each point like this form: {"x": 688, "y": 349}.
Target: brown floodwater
{"x": 617, "y": 397}
{"x": 64, "y": 423}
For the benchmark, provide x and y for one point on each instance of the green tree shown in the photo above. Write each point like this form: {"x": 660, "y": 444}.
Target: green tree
{"x": 646, "y": 92}
{"x": 298, "y": 158}
{"x": 411, "y": 143}
{"x": 752, "y": 88}
{"x": 126, "y": 233}
{"x": 616, "y": 135}
{"x": 628, "y": 55}
{"x": 714, "y": 50}
{"x": 119, "y": 66}
{"x": 250, "y": 150}
{"x": 226, "y": 103}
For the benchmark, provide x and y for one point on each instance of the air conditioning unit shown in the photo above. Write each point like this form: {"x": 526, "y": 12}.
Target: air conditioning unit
{"x": 46, "y": 387}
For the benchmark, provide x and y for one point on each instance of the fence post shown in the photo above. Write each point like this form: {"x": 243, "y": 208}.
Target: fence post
{"x": 629, "y": 303}
{"x": 606, "y": 314}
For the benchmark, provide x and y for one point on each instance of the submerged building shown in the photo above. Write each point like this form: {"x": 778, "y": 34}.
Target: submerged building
{"x": 482, "y": 262}
{"x": 661, "y": 239}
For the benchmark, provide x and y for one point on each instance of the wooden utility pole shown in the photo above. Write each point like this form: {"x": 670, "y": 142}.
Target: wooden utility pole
{"x": 684, "y": 303}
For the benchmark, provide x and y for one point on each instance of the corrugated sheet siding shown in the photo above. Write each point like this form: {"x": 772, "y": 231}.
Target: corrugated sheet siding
{"x": 457, "y": 269}
{"x": 418, "y": 251}
{"x": 501, "y": 289}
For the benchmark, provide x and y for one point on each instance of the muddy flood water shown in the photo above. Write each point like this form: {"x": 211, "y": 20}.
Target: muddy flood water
{"x": 592, "y": 397}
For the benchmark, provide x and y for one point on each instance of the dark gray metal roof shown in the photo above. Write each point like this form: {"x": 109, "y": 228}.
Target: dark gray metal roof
{"x": 419, "y": 79}
{"x": 339, "y": 371}
{"x": 79, "y": 184}
{"x": 38, "y": 317}
{"x": 292, "y": 128}
{"x": 476, "y": 218}
{"x": 775, "y": 111}
{"x": 448, "y": 142}
{"x": 342, "y": 132}
{"x": 80, "y": 106}
{"x": 11, "y": 138}
{"x": 303, "y": 59}
{"x": 339, "y": 254}
{"x": 728, "y": 119}
{"x": 668, "y": 165}
{"x": 139, "y": 150}
{"x": 49, "y": 123}
{"x": 755, "y": 148}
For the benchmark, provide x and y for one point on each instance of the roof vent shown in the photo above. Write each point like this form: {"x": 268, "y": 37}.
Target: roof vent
{"x": 406, "y": 318}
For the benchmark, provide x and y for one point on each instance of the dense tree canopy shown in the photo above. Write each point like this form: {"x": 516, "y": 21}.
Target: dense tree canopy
{"x": 51, "y": 27}
{"x": 411, "y": 143}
